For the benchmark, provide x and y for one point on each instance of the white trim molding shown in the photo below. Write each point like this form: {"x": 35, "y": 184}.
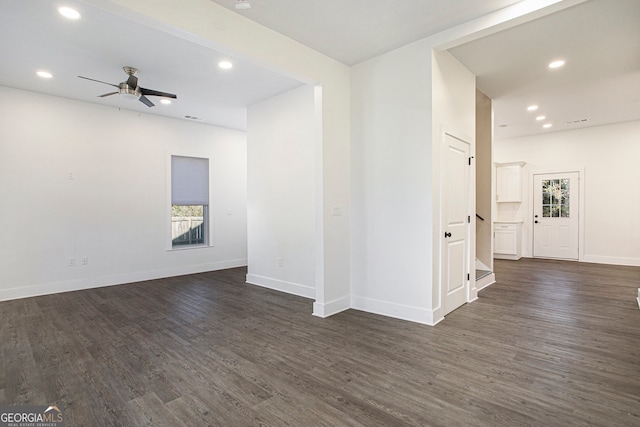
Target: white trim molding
{"x": 599, "y": 259}
{"x": 397, "y": 311}
{"x": 116, "y": 279}
{"x": 487, "y": 280}
{"x": 332, "y": 307}
{"x": 282, "y": 286}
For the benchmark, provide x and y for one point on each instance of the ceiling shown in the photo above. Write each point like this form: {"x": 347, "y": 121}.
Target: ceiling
{"x": 100, "y": 43}
{"x": 352, "y": 31}
{"x": 599, "y": 39}
{"x": 599, "y": 84}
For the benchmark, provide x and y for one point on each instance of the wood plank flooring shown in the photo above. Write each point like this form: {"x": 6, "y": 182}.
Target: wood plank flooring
{"x": 551, "y": 343}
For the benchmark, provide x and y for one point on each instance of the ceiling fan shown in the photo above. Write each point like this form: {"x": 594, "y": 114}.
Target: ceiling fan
{"x": 130, "y": 87}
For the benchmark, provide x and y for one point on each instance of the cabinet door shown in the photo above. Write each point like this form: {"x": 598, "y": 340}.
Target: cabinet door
{"x": 509, "y": 187}
{"x": 505, "y": 241}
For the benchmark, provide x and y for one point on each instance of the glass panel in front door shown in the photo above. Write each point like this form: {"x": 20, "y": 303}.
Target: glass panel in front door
{"x": 555, "y": 198}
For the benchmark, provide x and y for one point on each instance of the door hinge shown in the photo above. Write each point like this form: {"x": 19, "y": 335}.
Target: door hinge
{"x": 470, "y": 160}
{"x": 469, "y": 219}
{"x": 468, "y": 276}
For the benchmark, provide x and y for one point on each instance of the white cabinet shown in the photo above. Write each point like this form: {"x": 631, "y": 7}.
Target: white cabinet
{"x": 509, "y": 182}
{"x": 507, "y": 242}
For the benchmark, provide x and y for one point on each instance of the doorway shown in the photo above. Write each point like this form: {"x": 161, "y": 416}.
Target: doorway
{"x": 556, "y": 215}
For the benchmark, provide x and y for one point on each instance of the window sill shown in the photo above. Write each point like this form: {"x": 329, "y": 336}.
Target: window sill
{"x": 188, "y": 247}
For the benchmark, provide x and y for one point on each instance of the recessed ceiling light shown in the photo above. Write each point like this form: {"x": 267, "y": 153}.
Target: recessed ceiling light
{"x": 67, "y": 12}
{"x": 556, "y": 64}
{"x": 44, "y": 74}
{"x": 165, "y": 101}
{"x": 225, "y": 65}
{"x": 547, "y": 125}
{"x": 541, "y": 118}
{"x": 532, "y": 108}
{"x": 243, "y": 5}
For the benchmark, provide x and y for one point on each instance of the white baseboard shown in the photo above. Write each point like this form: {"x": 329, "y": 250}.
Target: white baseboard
{"x": 635, "y": 262}
{"x": 505, "y": 256}
{"x": 282, "y": 286}
{"x": 114, "y": 279}
{"x": 398, "y": 311}
{"x": 332, "y": 307}
{"x": 487, "y": 280}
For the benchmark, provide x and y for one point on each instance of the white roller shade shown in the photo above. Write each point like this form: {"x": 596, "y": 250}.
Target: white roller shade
{"x": 189, "y": 181}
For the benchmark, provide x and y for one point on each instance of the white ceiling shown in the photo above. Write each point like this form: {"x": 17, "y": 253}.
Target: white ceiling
{"x": 352, "y": 31}
{"x": 600, "y": 40}
{"x": 34, "y": 36}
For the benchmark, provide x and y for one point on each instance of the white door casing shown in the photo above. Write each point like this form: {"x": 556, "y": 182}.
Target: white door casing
{"x": 455, "y": 222}
{"x": 556, "y": 215}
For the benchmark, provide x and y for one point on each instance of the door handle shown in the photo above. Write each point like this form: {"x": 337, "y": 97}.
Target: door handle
{"x": 535, "y": 222}
{"x": 447, "y": 234}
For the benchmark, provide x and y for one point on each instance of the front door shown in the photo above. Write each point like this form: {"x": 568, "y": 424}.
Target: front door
{"x": 455, "y": 221}
{"x": 555, "y": 215}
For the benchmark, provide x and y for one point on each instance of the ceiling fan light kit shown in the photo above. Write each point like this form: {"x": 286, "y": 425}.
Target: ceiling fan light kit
{"x": 130, "y": 88}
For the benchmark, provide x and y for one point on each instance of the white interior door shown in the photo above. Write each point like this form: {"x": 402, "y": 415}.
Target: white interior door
{"x": 555, "y": 215}
{"x": 455, "y": 220}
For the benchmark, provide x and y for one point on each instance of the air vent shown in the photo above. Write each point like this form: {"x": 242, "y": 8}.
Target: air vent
{"x": 198, "y": 119}
{"x": 576, "y": 122}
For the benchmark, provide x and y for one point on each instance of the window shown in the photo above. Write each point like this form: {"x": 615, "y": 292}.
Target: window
{"x": 189, "y": 201}
{"x": 555, "y": 198}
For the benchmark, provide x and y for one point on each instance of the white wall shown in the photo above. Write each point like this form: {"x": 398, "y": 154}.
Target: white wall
{"x": 400, "y": 104}
{"x": 609, "y": 156}
{"x": 116, "y": 210}
{"x": 395, "y": 167}
{"x": 210, "y": 24}
{"x": 454, "y": 112}
{"x": 391, "y": 184}
{"x": 282, "y": 203}
{"x": 393, "y": 190}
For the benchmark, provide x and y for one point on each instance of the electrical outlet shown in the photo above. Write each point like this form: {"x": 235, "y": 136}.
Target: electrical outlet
{"x": 85, "y": 260}
{"x": 280, "y": 262}
{"x": 72, "y": 262}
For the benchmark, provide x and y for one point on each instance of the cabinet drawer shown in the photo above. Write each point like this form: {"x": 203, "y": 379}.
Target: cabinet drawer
{"x": 505, "y": 227}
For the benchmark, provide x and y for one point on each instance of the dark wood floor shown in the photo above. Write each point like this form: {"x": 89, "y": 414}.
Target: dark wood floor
{"x": 550, "y": 344}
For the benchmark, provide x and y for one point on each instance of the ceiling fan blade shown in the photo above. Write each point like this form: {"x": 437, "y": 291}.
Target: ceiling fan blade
{"x": 94, "y": 80}
{"x": 108, "y": 94}
{"x": 146, "y": 101}
{"x": 132, "y": 81}
{"x": 156, "y": 93}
